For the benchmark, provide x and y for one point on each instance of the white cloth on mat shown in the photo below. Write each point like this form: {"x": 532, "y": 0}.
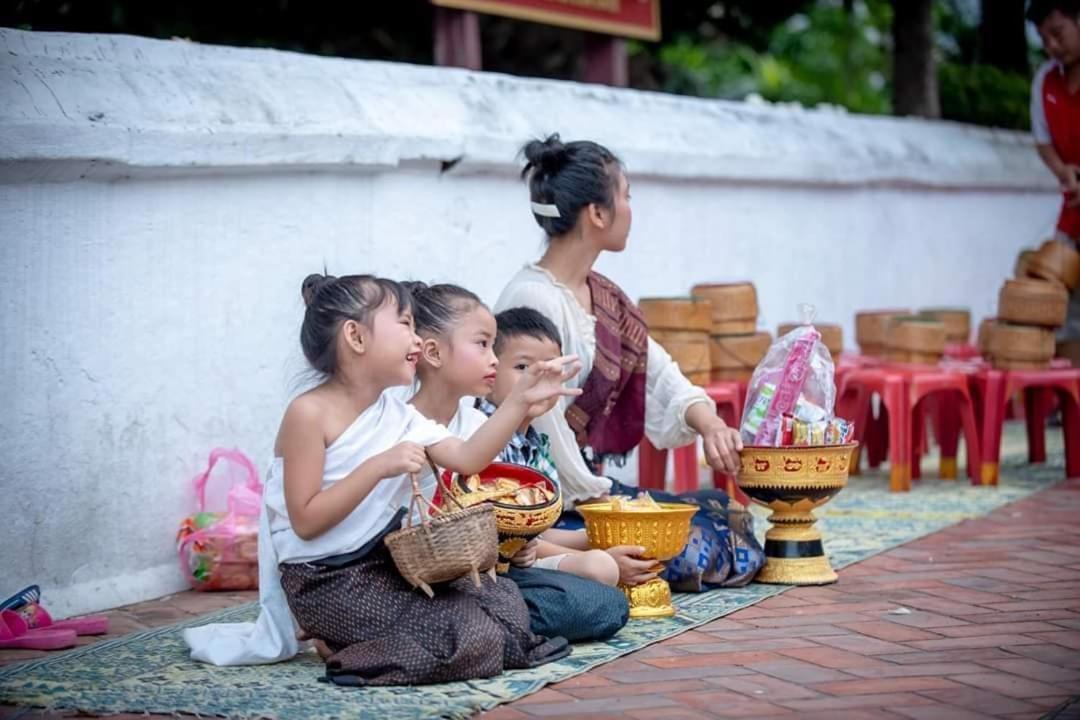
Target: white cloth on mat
{"x": 272, "y": 637}
{"x": 668, "y": 393}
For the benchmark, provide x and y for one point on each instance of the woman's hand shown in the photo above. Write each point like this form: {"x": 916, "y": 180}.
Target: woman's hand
{"x": 722, "y": 443}
{"x": 633, "y": 569}
{"x": 545, "y": 381}
{"x": 526, "y": 556}
{"x": 722, "y": 446}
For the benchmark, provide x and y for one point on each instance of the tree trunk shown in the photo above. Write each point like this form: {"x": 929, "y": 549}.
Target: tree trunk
{"x": 914, "y": 70}
{"x": 1002, "y": 40}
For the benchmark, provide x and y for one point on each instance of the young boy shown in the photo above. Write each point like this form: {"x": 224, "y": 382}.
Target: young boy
{"x": 1055, "y": 124}
{"x": 525, "y": 336}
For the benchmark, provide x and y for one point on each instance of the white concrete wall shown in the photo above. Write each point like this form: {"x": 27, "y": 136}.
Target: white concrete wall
{"x": 160, "y": 203}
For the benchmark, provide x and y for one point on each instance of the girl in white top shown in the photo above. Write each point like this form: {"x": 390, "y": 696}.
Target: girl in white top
{"x": 568, "y": 590}
{"x": 339, "y": 484}
{"x": 581, "y": 198}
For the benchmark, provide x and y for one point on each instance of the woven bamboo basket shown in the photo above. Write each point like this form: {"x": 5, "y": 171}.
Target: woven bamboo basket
{"x": 1057, "y": 262}
{"x": 740, "y": 374}
{"x": 1011, "y": 344}
{"x": 677, "y": 313}
{"x": 1023, "y": 260}
{"x": 986, "y": 329}
{"x": 734, "y": 306}
{"x": 957, "y": 322}
{"x": 914, "y": 334}
{"x": 447, "y": 546}
{"x": 738, "y": 352}
{"x": 516, "y": 524}
{"x": 871, "y": 327}
{"x": 1033, "y": 302}
{"x": 700, "y": 378}
{"x": 832, "y": 336}
{"x": 689, "y": 348}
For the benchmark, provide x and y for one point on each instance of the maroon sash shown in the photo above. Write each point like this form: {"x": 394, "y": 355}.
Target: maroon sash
{"x": 609, "y": 415}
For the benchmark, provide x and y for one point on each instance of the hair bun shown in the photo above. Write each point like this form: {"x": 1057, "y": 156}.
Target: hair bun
{"x": 312, "y": 284}
{"x": 548, "y": 156}
{"x": 416, "y": 288}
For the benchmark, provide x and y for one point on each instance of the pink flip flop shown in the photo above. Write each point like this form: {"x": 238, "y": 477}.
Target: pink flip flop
{"x": 38, "y": 618}
{"x": 14, "y": 633}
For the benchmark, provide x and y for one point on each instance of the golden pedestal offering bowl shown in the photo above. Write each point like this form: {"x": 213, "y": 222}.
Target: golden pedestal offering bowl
{"x": 663, "y": 533}
{"x": 792, "y": 481}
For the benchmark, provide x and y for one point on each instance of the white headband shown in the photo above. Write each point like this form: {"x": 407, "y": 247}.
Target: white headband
{"x": 543, "y": 210}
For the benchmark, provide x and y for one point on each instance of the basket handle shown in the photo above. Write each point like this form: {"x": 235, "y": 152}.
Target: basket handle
{"x": 418, "y": 501}
{"x": 446, "y": 489}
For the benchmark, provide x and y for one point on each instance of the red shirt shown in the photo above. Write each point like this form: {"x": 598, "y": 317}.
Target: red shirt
{"x": 1055, "y": 120}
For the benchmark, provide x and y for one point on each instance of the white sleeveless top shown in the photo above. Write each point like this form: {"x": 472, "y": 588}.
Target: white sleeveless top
{"x": 272, "y": 637}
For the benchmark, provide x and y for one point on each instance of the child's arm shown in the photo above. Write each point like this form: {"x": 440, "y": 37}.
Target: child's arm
{"x": 312, "y": 510}
{"x": 542, "y": 381}
{"x": 1065, "y": 173}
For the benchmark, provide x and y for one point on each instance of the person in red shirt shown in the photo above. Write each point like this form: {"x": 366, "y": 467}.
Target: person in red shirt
{"x": 1055, "y": 124}
{"x": 1055, "y": 103}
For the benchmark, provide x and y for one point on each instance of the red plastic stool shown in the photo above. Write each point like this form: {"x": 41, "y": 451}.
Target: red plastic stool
{"x": 863, "y": 383}
{"x": 652, "y": 462}
{"x": 996, "y": 387}
{"x": 946, "y": 393}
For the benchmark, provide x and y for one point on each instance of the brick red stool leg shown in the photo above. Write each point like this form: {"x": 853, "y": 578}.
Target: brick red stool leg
{"x": 917, "y": 438}
{"x": 894, "y": 399}
{"x": 995, "y": 403}
{"x": 687, "y": 473}
{"x": 948, "y": 434}
{"x": 1035, "y": 404}
{"x": 652, "y": 466}
{"x": 1070, "y": 422}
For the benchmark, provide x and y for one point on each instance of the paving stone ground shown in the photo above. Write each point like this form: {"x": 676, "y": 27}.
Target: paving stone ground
{"x": 980, "y": 620}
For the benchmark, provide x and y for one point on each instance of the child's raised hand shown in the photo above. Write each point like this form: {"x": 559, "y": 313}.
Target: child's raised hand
{"x": 545, "y": 381}
{"x": 406, "y": 457}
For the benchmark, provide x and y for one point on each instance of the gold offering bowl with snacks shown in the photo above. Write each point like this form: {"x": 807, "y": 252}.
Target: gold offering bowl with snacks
{"x": 792, "y": 481}
{"x": 526, "y": 503}
{"x": 661, "y": 528}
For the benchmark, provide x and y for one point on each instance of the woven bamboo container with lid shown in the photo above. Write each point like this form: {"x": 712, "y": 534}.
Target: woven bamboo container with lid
{"x": 832, "y": 336}
{"x": 1033, "y": 302}
{"x": 916, "y": 339}
{"x": 1020, "y": 347}
{"x": 957, "y": 322}
{"x": 677, "y": 313}
{"x": 871, "y": 327}
{"x": 1023, "y": 261}
{"x": 734, "y": 307}
{"x": 734, "y": 357}
{"x": 681, "y": 326}
{"x": 1056, "y": 262}
{"x": 986, "y": 329}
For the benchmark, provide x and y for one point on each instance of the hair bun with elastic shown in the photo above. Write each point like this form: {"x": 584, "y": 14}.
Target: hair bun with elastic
{"x": 312, "y": 284}
{"x": 547, "y": 156}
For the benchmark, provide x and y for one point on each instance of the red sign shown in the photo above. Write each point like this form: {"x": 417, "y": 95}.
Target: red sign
{"x": 628, "y": 18}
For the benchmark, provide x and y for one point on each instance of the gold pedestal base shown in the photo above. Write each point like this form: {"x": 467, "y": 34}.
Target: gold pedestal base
{"x": 797, "y": 571}
{"x": 794, "y": 554}
{"x": 649, "y": 600}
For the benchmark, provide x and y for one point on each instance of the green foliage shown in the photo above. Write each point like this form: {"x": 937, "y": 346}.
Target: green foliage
{"x": 984, "y": 95}
{"x": 827, "y": 55}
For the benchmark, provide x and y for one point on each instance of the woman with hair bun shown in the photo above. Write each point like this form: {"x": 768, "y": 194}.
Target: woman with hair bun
{"x": 631, "y": 388}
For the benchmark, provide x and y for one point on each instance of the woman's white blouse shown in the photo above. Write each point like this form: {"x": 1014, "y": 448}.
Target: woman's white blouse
{"x": 668, "y": 394}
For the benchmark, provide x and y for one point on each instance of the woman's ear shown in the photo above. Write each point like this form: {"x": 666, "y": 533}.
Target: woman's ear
{"x": 354, "y": 334}
{"x": 431, "y": 351}
{"x": 597, "y": 216}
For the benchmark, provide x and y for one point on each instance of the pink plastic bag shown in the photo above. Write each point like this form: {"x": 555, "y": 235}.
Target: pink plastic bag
{"x": 219, "y": 548}
{"x": 796, "y": 377}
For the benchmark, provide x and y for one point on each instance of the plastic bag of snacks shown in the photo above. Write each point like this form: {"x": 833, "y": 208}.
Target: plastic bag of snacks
{"x": 219, "y": 549}
{"x": 792, "y": 393}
